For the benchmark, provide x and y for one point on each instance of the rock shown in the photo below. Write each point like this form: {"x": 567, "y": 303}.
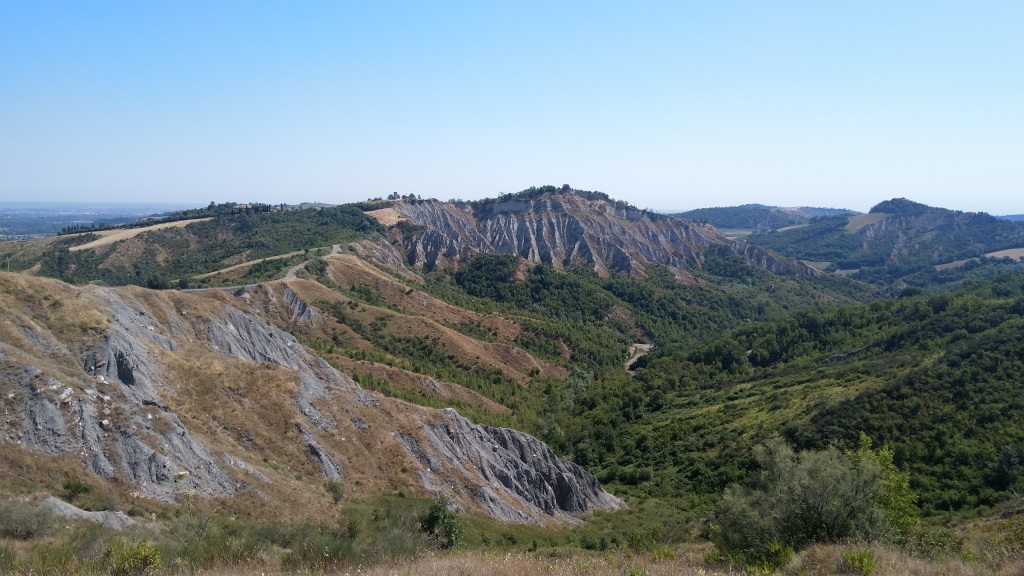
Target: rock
{"x": 124, "y": 427}
{"x": 331, "y": 469}
{"x": 113, "y": 520}
{"x": 300, "y": 310}
{"x": 515, "y": 462}
{"x": 565, "y": 230}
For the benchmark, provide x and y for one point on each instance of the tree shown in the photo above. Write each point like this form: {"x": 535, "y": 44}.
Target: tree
{"x": 442, "y": 523}
{"x": 814, "y": 496}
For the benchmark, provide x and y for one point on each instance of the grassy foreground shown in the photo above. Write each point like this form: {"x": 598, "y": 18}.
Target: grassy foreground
{"x": 818, "y": 560}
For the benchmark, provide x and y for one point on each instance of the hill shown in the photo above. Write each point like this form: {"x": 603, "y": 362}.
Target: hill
{"x": 185, "y": 245}
{"x": 566, "y": 228}
{"x": 198, "y": 392}
{"x": 898, "y": 242}
{"x": 478, "y": 351}
{"x": 225, "y": 245}
{"x": 758, "y": 216}
{"x": 935, "y": 377}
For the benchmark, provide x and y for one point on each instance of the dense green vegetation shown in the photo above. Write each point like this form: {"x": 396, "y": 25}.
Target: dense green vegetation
{"x": 749, "y": 216}
{"x": 591, "y": 313}
{"x": 903, "y": 248}
{"x": 937, "y": 378}
{"x": 797, "y": 499}
{"x": 172, "y": 254}
{"x": 745, "y": 364}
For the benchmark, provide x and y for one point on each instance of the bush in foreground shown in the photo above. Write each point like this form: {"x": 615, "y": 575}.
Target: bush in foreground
{"x": 798, "y": 499}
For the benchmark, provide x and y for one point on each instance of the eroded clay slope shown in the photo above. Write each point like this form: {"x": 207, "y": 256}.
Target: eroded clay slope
{"x": 161, "y": 392}
{"x": 566, "y": 229}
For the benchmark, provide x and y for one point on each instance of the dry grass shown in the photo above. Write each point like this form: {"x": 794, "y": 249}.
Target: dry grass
{"x": 816, "y": 561}
{"x": 860, "y": 221}
{"x": 1014, "y": 253}
{"x": 525, "y": 564}
{"x": 520, "y": 564}
{"x": 824, "y": 560}
{"x": 110, "y": 236}
{"x": 243, "y": 267}
{"x": 421, "y": 316}
{"x": 387, "y": 216}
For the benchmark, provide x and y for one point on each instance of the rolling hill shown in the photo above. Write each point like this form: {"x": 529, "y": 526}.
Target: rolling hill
{"x": 538, "y": 358}
{"x": 898, "y": 241}
{"x": 758, "y": 216}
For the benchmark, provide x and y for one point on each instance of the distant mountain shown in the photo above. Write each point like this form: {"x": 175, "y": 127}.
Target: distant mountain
{"x": 896, "y": 240}
{"x": 1014, "y": 217}
{"x": 759, "y": 216}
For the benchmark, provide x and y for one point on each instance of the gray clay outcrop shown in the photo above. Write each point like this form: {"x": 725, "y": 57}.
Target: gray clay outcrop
{"x": 567, "y": 230}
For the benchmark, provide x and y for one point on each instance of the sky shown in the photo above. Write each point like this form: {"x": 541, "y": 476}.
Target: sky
{"x": 668, "y": 105}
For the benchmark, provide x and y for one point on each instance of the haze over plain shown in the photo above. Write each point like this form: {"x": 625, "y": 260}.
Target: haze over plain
{"x": 667, "y": 105}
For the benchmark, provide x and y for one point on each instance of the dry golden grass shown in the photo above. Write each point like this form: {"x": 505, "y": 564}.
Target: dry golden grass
{"x": 349, "y": 270}
{"x": 862, "y": 220}
{"x": 519, "y": 564}
{"x": 822, "y": 560}
{"x": 387, "y": 216}
{"x": 816, "y": 561}
{"x": 110, "y": 236}
{"x": 238, "y": 270}
{"x": 1014, "y": 253}
{"x": 419, "y": 321}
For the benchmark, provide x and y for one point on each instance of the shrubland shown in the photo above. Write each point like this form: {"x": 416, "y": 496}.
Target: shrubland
{"x": 779, "y": 423}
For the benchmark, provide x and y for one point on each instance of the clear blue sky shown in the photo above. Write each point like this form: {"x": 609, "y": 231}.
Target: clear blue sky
{"x": 664, "y": 104}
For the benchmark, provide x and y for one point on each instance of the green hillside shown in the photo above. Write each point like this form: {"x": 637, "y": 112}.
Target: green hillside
{"x": 938, "y": 378}
{"x": 758, "y": 216}
{"x": 899, "y": 241}
{"x": 173, "y": 256}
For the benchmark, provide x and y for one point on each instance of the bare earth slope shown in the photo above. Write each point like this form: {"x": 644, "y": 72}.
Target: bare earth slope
{"x": 567, "y": 229}
{"x": 160, "y": 392}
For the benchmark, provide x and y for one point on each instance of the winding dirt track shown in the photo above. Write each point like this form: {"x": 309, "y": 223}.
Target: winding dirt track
{"x": 636, "y": 351}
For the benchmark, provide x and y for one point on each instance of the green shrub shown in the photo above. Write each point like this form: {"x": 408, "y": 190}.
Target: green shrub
{"x": 862, "y": 562}
{"x": 936, "y": 543}
{"x": 74, "y": 488}
{"x": 774, "y": 556}
{"x": 126, "y": 558}
{"x": 22, "y": 520}
{"x": 336, "y": 489}
{"x": 645, "y": 539}
{"x": 799, "y": 499}
{"x": 442, "y": 523}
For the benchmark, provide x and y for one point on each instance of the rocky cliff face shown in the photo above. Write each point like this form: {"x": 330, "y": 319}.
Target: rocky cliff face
{"x": 507, "y": 471}
{"x": 565, "y": 229}
{"x": 164, "y": 392}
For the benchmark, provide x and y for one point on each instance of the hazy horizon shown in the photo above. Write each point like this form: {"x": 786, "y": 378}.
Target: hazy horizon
{"x": 667, "y": 105}
{"x": 166, "y": 207}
